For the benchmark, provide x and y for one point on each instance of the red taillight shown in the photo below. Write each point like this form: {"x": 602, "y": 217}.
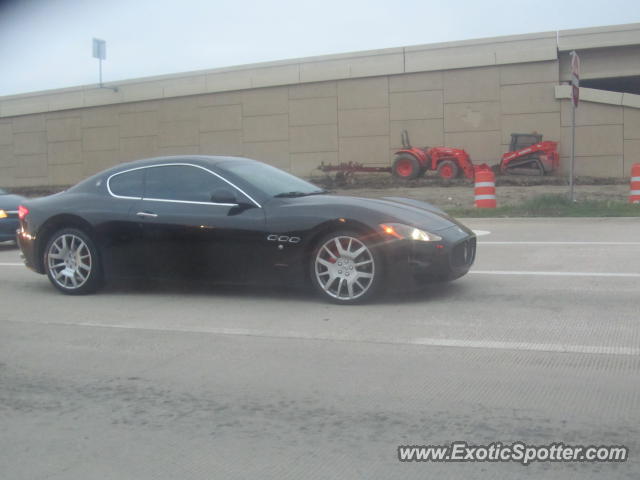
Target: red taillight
{"x": 22, "y": 212}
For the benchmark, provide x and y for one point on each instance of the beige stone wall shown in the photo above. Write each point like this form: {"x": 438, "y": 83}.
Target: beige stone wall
{"x": 599, "y": 139}
{"x": 603, "y": 63}
{"x": 293, "y": 127}
{"x": 339, "y": 108}
{"x": 297, "y": 127}
{"x": 607, "y": 132}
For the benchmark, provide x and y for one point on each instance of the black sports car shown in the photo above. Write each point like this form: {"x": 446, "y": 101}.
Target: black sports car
{"x": 8, "y": 215}
{"x": 236, "y": 220}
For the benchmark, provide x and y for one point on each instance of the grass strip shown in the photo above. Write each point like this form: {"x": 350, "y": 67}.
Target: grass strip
{"x": 553, "y": 206}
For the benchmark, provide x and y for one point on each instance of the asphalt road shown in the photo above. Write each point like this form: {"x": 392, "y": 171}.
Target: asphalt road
{"x": 540, "y": 344}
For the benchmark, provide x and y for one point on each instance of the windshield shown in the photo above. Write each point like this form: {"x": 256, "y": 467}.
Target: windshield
{"x": 269, "y": 180}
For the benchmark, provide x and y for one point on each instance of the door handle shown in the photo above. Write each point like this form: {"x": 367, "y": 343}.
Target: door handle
{"x": 147, "y": 215}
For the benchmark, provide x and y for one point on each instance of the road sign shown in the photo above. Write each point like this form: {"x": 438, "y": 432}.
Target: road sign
{"x": 99, "y": 49}
{"x": 100, "y": 52}
{"x": 575, "y": 78}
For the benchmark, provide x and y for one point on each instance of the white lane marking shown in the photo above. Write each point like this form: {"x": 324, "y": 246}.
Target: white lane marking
{"x": 11, "y": 264}
{"x": 552, "y": 243}
{"x": 427, "y": 342}
{"x": 557, "y": 274}
{"x": 533, "y": 347}
{"x": 481, "y": 233}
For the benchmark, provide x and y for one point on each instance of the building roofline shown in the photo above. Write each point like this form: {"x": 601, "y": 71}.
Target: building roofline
{"x": 525, "y": 48}
{"x": 300, "y": 60}
{"x": 599, "y": 37}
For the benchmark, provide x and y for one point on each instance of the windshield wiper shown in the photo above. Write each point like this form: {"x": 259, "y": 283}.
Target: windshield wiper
{"x": 299, "y": 194}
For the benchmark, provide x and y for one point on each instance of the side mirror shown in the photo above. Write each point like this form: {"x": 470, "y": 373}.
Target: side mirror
{"x": 223, "y": 195}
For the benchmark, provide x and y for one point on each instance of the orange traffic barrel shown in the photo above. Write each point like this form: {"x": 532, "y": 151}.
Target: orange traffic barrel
{"x": 485, "y": 188}
{"x": 634, "y": 195}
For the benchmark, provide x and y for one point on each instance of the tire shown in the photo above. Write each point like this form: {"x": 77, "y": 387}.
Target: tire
{"x": 405, "y": 167}
{"x": 72, "y": 263}
{"x": 448, "y": 169}
{"x": 346, "y": 268}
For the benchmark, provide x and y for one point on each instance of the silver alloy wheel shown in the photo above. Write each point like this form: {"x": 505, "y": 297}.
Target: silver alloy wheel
{"x": 69, "y": 260}
{"x": 344, "y": 268}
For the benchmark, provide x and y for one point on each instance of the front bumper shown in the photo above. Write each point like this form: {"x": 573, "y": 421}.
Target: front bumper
{"x": 413, "y": 263}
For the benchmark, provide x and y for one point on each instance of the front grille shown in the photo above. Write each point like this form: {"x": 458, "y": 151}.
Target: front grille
{"x": 464, "y": 253}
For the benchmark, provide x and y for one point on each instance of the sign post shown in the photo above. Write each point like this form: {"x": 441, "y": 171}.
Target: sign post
{"x": 575, "y": 98}
{"x": 100, "y": 52}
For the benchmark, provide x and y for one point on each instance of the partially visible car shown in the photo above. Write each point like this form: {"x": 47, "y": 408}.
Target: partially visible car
{"x": 9, "y": 215}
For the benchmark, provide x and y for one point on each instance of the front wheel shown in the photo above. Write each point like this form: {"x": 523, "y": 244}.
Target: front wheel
{"x": 71, "y": 262}
{"x": 448, "y": 169}
{"x": 345, "y": 268}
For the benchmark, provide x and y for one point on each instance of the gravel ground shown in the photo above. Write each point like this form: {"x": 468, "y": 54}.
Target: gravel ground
{"x": 462, "y": 196}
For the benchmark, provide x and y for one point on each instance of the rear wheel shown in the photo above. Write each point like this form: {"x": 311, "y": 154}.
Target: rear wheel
{"x": 345, "y": 268}
{"x": 448, "y": 169}
{"x": 71, "y": 262}
{"x": 406, "y": 167}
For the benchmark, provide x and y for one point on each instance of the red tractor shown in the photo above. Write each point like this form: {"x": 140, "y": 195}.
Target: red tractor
{"x": 412, "y": 162}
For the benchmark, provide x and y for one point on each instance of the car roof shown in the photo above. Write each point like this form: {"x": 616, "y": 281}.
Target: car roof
{"x": 203, "y": 160}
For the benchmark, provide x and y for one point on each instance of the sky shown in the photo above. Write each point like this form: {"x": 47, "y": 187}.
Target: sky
{"x": 46, "y": 44}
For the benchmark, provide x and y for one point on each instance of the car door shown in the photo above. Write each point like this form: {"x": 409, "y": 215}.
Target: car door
{"x": 119, "y": 232}
{"x": 189, "y": 234}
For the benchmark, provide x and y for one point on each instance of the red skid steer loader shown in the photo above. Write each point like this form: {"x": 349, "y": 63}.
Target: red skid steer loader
{"x": 529, "y": 155}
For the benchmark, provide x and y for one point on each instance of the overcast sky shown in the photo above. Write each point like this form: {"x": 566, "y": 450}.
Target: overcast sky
{"x": 46, "y": 44}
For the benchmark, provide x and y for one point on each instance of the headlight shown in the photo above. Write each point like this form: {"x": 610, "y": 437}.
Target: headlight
{"x": 401, "y": 231}
{"x": 3, "y": 214}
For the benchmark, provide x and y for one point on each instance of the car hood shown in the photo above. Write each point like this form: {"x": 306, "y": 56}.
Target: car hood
{"x": 10, "y": 202}
{"x": 391, "y": 209}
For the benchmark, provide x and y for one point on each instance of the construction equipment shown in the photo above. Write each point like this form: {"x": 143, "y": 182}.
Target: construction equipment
{"x": 529, "y": 155}
{"x": 412, "y": 162}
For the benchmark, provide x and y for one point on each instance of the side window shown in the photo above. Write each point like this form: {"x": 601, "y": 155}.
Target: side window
{"x": 181, "y": 182}
{"x": 127, "y": 184}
